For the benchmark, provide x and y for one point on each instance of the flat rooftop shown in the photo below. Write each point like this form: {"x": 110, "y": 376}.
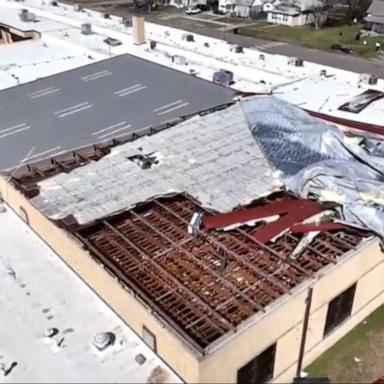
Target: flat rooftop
{"x": 51, "y": 319}
{"x": 98, "y": 102}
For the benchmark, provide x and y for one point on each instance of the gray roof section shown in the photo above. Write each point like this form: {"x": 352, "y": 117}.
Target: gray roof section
{"x": 213, "y": 158}
{"x": 376, "y": 8}
{"x": 375, "y": 19}
{"x": 97, "y": 102}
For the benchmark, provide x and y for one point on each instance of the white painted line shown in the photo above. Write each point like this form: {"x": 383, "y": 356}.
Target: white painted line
{"x": 45, "y": 93}
{"x": 133, "y": 91}
{"x": 98, "y": 76}
{"x": 126, "y": 89}
{"x": 76, "y": 110}
{"x": 12, "y": 128}
{"x": 94, "y": 74}
{"x": 168, "y": 105}
{"x": 27, "y": 158}
{"x": 109, "y": 128}
{"x": 115, "y": 131}
{"x": 43, "y": 157}
{"x": 69, "y": 108}
{"x": 172, "y": 109}
{"x": 38, "y": 92}
{"x": 13, "y": 132}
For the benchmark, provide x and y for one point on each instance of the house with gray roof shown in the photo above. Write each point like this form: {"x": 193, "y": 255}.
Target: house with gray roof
{"x": 375, "y": 17}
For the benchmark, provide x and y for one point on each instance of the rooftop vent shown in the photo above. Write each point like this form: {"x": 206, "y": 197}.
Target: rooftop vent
{"x": 187, "y": 37}
{"x": 367, "y": 78}
{"x": 27, "y": 16}
{"x": 104, "y": 340}
{"x": 125, "y": 21}
{"x": 152, "y": 44}
{"x": 223, "y": 77}
{"x": 140, "y": 359}
{"x": 323, "y": 72}
{"x": 112, "y": 42}
{"x": 295, "y": 61}
{"x": 236, "y": 48}
{"x": 86, "y": 29}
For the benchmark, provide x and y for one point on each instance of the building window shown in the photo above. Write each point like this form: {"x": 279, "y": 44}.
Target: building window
{"x": 260, "y": 369}
{"x": 285, "y": 18}
{"x": 149, "y": 339}
{"x": 339, "y": 309}
{"x": 24, "y": 215}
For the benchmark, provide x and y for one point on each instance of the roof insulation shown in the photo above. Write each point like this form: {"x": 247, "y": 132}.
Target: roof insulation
{"x": 213, "y": 158}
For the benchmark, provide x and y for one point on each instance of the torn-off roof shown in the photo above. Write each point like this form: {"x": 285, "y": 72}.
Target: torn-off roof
{"x": 213, "y": 158}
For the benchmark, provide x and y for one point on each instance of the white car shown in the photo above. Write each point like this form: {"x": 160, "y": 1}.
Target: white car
{"x": 192, "y": 11}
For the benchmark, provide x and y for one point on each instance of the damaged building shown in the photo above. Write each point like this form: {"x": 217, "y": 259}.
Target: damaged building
{"x": 234, "y": 243}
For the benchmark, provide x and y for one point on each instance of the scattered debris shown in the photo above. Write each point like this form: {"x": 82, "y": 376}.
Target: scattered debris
{"x": 158, "y": 376}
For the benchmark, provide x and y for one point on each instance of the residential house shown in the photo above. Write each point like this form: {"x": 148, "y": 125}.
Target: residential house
{"x": 292, "y": 13}
{"x": 187, "y": 3}
{"x": 375, "y": 16}
{"x": 241, "y": 8}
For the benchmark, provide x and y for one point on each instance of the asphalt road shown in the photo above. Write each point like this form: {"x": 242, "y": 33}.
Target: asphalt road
{"x": 348, "y": 62}
{"x": 96, "y": 103}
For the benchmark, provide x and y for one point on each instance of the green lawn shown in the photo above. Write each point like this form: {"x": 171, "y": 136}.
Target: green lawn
{"x": 365, "y": 342}
{"x": 320, "y": 39}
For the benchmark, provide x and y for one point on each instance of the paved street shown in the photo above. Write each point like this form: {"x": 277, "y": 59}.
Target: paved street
{"x": 174, "y": 18}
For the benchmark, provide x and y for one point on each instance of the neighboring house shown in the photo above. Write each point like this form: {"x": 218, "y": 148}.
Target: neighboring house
{"x": 289, "y": 14}
{"x": 375, "y": 16}
{"x": 241, "y": 8}
{"x": 186, "y": 3}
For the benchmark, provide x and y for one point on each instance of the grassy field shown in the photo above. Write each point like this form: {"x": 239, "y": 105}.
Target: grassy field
{"x": 319, "y": 39}
{"x": 358, "y": 357}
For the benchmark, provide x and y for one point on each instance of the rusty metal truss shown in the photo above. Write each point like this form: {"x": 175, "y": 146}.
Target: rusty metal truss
{"x": 204, "y": 285}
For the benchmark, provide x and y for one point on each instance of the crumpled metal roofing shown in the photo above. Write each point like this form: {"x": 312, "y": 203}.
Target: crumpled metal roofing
{"x": 213, "y": 158}
{"x": 319, "y": 161}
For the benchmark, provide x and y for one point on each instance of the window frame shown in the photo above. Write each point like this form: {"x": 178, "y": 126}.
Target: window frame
{"x": 339, "y": 309}
{"x": 147, "y": 332}
{"x": 252, "y": 370}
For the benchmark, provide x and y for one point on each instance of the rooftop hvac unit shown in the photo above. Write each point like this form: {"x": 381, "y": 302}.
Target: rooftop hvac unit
{"x": 366, "y": 78}
{"x": 152, "y": 44}
{"x": 295, "y": 61}
{"x": 125, "y": 21}
{"x": 86, "y": 29}
{"x": 27, "y": 16}
{"x": 323, "y": 72}
{"x": 236, "y": 48}
{"x": 223, "y": 77}
{"x": 187, "y": 37}
{"x": 177, "y": 59}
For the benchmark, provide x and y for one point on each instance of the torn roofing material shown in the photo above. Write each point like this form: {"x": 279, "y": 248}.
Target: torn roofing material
{"x": 213, "y": 158}
{"x": 318, "y": 160}
{"x": 216, "y": 160}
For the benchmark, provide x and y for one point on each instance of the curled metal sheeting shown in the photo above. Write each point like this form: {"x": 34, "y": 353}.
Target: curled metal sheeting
{"x": 318, "y": 160}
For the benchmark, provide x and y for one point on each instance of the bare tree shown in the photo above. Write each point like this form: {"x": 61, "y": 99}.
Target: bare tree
{"x": 320, "y": 16}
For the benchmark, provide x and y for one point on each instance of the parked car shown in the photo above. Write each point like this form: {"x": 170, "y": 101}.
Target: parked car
{"x": 192, "y": 11}
{"x": 203, "y": 7}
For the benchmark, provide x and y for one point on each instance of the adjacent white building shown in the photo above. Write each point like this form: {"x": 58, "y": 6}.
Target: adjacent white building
{"x": 293, "y": 13}
{"x": 241, "y": 8}
{"x": 288, "y": 14}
